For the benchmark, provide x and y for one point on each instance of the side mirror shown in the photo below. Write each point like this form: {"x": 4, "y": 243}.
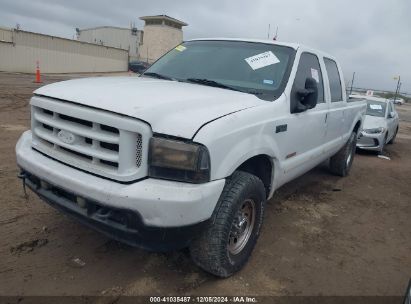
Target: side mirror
{"x": 391, "y": 115}
{"x": 308, "y": 96}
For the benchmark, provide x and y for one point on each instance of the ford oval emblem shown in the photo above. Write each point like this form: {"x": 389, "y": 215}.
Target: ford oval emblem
{"x": 66, "y": 137}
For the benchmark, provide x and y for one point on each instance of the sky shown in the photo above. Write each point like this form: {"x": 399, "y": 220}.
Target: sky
{"x": 369, "y": 37}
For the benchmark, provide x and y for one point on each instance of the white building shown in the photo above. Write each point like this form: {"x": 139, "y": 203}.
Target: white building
{"x": 128, "y": 39}
{"x": 161, "y": 34}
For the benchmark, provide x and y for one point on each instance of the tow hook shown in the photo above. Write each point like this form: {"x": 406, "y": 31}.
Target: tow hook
{"x": 23, "y": 175}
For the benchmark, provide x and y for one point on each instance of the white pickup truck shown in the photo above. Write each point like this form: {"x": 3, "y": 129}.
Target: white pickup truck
{"x": 187, "y": 154}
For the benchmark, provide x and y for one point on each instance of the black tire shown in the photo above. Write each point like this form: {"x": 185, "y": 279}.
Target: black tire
{"x": 341, "y": 162}
{"x": 383, "y": 144}
{"x": 212, "y": 250}
{"x": 393, "y": 138}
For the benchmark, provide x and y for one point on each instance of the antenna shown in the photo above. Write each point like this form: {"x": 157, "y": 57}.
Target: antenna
{"x": 276, "y": 34}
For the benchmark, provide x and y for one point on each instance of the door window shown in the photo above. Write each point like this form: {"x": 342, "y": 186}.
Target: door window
{"x": 309, "y": 66}
{"x": 390, "y": 109}
{"x": 334, "y": 79}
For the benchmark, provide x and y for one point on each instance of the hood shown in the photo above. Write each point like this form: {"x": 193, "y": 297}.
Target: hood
{"x": 371, "y": 122}
{"x": 170, "y": 107}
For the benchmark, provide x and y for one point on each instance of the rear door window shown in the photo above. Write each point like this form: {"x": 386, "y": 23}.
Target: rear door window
{"x": 334, "y": 79}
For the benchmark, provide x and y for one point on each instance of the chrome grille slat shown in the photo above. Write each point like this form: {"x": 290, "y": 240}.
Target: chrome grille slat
{"x": 80, "y": 148}
{"x": 103, "y": 143}
{"x": 99, "y": 135}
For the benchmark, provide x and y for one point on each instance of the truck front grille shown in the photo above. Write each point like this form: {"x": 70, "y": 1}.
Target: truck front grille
{"x": 103, "y": 143}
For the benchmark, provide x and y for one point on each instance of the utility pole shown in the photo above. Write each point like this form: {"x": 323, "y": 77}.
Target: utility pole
{"x": 352, "y": 82}
{"x": 398, "y": 87}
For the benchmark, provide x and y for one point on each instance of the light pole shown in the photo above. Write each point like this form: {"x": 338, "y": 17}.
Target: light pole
{"x": 352, "y": 82}
{"x": 398, "y": 87}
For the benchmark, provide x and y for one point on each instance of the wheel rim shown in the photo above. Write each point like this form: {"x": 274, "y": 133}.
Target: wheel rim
{"x": 242, "y": 227}
{"x": 349, "y": 157}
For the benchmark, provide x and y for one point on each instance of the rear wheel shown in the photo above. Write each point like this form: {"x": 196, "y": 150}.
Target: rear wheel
{"x": 226, "y": 245}
{"x": 341, "y": 162}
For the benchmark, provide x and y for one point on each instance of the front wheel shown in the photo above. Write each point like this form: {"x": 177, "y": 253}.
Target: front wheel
{"x": 225, "y": 246}
{"x": 382, "y": 147}
{"x": 341, "y": 162}
{"x": 393, "y": 138}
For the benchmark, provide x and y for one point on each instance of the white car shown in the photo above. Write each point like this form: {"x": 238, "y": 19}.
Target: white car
{"x": 187, "y": 154}
{"x": 398, "y": 100}
{"x": 380, "y": 125}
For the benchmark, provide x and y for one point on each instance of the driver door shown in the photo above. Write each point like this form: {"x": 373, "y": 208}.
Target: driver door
{"x": 306, "y": 130}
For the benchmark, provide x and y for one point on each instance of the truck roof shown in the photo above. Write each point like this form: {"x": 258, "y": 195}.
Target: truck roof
{"x": 266, "y": 41}
{"x": 295, "y": 46}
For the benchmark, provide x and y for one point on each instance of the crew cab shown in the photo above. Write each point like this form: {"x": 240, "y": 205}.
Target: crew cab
{"x": 187, "y": 154}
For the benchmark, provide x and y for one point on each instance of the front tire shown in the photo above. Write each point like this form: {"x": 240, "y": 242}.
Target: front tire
{"x": 383, "y": 144}
{"x": 393, "y": 138}
{"x": 227, "y": 243}
{"x": 341, "y": 162}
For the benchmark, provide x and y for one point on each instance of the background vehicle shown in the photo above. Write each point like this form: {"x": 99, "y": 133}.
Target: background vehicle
{"x": 187, "y": 154}
{"x": 398, "y": 100}
{"x": 138, "y": 66}
{"x": 380, "y": 124}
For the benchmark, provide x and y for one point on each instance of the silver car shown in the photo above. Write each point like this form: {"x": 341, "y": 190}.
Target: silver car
{"x": 380, "y": 125}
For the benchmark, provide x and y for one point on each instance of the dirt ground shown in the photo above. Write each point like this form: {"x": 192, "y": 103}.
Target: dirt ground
{"x": 322, "y": 235}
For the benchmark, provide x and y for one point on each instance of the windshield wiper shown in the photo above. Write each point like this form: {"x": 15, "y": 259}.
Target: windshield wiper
{"x": 157, "y": 75}
{"x": 212, "y": 83}
{"x": 254, "y": 92}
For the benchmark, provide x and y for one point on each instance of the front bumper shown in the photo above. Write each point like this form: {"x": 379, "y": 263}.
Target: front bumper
{"x": 157, "y": 204}
{"x": 372, "y": 142}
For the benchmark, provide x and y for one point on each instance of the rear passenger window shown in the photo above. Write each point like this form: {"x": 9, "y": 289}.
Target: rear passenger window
{"x": 335, "y": 80}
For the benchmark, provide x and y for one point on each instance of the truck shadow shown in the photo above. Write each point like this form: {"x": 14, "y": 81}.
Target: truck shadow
{"x": 177, "y": 266}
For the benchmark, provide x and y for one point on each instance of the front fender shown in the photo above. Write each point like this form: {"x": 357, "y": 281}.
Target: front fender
{"x": 234, "y": 139}
{"x": 358, "y": 115}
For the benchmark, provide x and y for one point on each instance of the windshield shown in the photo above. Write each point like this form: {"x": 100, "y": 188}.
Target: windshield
{"x": 376, "y": 108}
{"x": 254, "y": 68}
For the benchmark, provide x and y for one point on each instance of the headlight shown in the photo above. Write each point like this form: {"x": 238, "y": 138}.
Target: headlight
{"x": 374, "y": 131}
{"x": 177, "y": 160}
